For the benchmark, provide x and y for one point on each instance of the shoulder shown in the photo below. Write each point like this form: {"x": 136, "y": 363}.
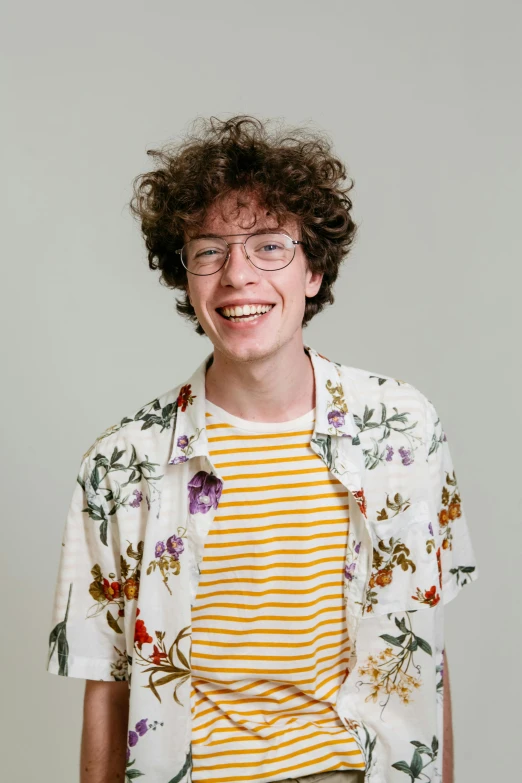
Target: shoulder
{"x": 377, "y": 386}
{"x": 378, "y": 399}
{"x": 151, "y": 425}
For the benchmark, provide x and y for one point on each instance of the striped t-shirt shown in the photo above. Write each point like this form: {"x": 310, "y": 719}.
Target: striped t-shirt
{"x": 269, "y": 643}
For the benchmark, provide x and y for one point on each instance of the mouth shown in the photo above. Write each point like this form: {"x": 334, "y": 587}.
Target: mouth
{"x": 244, "y": 319}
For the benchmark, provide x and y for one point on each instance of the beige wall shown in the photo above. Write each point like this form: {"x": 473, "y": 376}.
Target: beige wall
{"x": 423, "y": 102}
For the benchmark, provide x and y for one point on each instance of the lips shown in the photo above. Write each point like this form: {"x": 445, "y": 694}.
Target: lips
{"x": 267, "y": 304}
{"x": 246, "y": 321}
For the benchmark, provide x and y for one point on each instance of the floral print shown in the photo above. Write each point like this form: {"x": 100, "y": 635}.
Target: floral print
{"x": 388, "y": 672}
{"x": 337, "y": 405}
{"x": 58, "y": 642}
{"x": 186, "y": 446}
{"x": 140, "y": 729}
{"x": 396, "y": 505}
{"x": 167, "y": 556}
{"x": 147, "y": 491}
{"x": 450, "y": 510}
{"x": 415, "y": 769}
{"x": 204, "y": 492}
{"x": 388, "y": 556}
{"x": 108, "y": 591}
{"x": 119, "y": 668}
{"x": 163, "y": 662}
{"x": 384, "y": 427}
{"x": 102, "y": 501}
{"x": 430, "y": 597}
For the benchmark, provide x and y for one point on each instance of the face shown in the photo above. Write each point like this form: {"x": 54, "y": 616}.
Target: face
{"x": 240, "y": 282}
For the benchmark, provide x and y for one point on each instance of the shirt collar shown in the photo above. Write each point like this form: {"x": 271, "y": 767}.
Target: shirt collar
{"x": 333, "y": 412}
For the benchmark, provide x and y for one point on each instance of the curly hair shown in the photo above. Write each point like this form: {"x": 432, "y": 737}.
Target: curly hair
{"x": 290, "y": 172}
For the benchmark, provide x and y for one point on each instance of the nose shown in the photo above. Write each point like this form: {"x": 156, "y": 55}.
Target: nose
{"x": 238, "y": 269}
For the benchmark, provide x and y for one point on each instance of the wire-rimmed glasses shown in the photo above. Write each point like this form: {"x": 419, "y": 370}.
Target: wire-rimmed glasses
{"x": 267, "y": 250}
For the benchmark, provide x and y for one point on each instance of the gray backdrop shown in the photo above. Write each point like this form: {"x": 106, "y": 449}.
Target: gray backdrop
{"x": 423, "y": 103}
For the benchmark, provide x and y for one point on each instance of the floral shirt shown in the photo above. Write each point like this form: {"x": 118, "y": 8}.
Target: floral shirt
{"x": 146, "y": 495}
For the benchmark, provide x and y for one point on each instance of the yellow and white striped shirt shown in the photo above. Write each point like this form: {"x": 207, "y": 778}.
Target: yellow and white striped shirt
{"x": 269, "y": 642}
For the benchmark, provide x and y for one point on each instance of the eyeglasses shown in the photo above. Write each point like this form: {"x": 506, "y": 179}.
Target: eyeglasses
{"x": 269, "y": 251}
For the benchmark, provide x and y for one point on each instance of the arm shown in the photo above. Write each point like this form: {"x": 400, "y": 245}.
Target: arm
{"x": 104, "y": 733}
{"x": 447, "y": 746}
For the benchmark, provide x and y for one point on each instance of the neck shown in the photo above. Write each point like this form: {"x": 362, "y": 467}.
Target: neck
{"x": 276, "y": 388}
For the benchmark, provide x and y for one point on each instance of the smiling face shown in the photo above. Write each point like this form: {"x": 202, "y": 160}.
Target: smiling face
{"x": 240, "y": 282}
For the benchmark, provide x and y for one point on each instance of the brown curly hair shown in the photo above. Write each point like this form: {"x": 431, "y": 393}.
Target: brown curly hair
{"x": 291, "y": 172}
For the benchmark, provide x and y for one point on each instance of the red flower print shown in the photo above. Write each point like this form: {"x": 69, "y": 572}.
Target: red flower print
{"x": 111, "y": 590}
{"x": 384, "y": 577}
{"x": 430, "y": 597}
{"x": 185, "y": 397}
{"x": 157, "y": 655}
{"x": 141, "y": 635}
{"x": 361, "y": 500}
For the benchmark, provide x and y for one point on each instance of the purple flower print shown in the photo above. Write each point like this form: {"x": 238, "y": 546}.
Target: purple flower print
{"x": 178, "y": 459}
{"x": 183, "y": 441}
{"x": 160, "y": 548}
{"x": 349, "y": 571}
{"x": 389, "y": 453}
{"x": 138, "y": 497}
{"x": 175, "y": 546}
{"x": 405, "y": 456}
{"x": 141, "y": 727}
{"x": 358, "y": 548}
{"x": 444, "y": 437}
{"x": 336, "y": 418}
{"x": 430, "y": 528}
{"x": 204, "y": 491}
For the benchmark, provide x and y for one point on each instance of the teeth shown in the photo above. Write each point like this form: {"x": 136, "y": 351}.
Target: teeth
{"x": 246, "y": 310}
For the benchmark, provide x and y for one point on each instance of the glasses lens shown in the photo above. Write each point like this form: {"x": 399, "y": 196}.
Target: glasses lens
{"x": 205, "y": 255}
{"x": 270, "y": 251}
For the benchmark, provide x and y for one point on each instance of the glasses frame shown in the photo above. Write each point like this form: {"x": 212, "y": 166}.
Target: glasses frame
{"x": 248, "y": 236}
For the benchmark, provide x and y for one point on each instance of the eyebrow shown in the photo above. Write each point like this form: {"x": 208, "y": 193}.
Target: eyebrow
{"x": 264, "y": 230}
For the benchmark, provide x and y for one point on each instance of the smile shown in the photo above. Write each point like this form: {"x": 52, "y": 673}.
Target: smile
{"x": 246, "y": 319}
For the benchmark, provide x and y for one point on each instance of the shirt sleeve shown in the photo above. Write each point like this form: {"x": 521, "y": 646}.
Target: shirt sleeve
{"x": 87, "y": 636}
{"x": 455, "y": 553}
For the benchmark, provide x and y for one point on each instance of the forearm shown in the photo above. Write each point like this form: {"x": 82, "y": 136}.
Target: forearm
{"x": 447, "y": 751}
{"x": 104, "y": 732}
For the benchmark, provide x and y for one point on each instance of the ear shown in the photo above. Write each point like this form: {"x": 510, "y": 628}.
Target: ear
{"x": 314, "y": 283}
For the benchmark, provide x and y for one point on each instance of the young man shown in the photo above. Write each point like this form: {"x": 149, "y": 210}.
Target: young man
{"x": 255, "y": 563}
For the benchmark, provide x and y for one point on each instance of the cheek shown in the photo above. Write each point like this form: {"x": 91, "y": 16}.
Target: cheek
{"x": 199, "y": 296}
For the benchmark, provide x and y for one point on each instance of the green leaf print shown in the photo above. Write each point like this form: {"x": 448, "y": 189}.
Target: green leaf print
{"x": 58, "y": 638}
{"x": 415, "y": 769}
{"x": 388, "y": 423}
{"x": 187, "y": 766}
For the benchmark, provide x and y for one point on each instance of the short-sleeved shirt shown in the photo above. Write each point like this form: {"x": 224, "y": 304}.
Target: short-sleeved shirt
{"x": 133, "y": 543}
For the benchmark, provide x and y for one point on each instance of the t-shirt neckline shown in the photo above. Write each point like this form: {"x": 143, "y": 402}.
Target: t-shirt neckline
{"x": 259, "y": 426}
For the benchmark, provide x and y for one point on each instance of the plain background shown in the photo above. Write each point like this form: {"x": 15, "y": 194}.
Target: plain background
{"x": 422, "y": 101}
